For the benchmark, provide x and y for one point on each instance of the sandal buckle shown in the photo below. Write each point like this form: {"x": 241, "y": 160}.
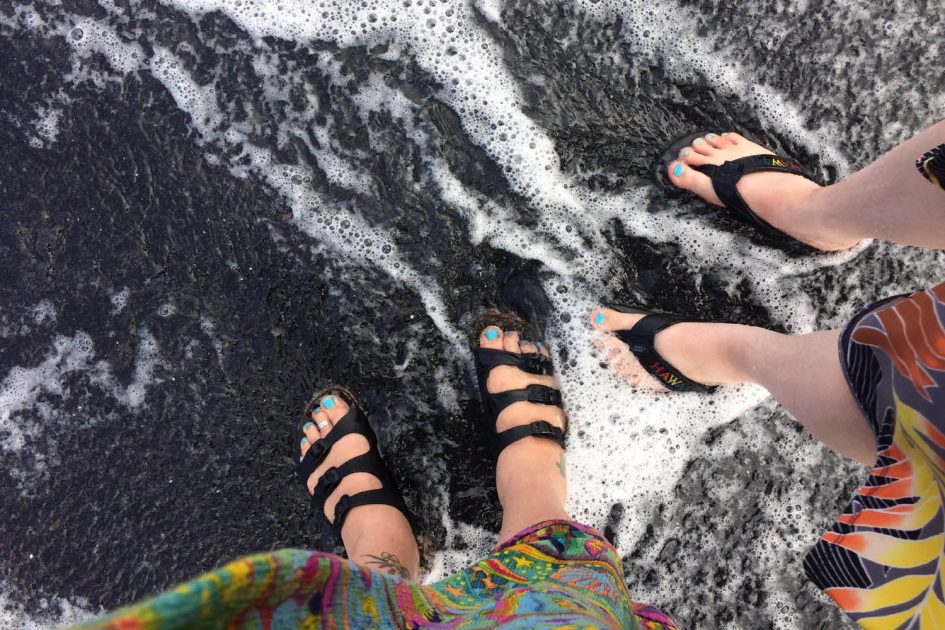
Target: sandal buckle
{"x": 540, "y": 428}
{"x": 341, "y": 512}
{"x": 331, "y": 476}
{"x": 543, "y": 395}
{"x": 535, "y": 363}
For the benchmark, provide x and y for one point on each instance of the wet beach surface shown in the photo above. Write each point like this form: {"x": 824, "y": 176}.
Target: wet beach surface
{"x": 212, "y": 209}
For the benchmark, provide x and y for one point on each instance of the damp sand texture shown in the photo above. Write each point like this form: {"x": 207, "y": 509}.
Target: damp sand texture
{"x": 213, "y": 207}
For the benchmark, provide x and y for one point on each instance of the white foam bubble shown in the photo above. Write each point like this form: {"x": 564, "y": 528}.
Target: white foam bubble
{"x": 147, "y": 358}
{"x": 46, "y": 126}
{"x": 119, "y": 300}
{"x": 44, "y": 313}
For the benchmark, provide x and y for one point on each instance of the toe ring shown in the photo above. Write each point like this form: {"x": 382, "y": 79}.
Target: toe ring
{"x": 323, "y": 424}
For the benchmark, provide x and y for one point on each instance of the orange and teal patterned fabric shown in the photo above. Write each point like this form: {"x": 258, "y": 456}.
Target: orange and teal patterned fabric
{"x": 882, "y": 561}
{"x": 556, "y": 574}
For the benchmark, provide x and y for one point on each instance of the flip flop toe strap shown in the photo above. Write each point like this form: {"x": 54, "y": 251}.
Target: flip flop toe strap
{"x": 640, "y": 339}
{"x": 369, "y": 463}
{"x": 726, "y": 176}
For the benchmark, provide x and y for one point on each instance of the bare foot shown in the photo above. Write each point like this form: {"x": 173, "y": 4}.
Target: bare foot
{"x": 772, "y": 196}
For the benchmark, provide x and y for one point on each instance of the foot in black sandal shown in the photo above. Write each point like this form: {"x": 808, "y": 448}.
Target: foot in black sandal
{"x": 731, "y": 171}
{"x": 516, "y": 384}
{"x": 525, "y": 420}
{"x": 343, "y": 471}
{"x": 647, "y": 349}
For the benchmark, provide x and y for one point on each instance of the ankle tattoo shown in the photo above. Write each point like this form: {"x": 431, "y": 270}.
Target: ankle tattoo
{"x": 389, "y": 563}
{"x": 932, "y": 165}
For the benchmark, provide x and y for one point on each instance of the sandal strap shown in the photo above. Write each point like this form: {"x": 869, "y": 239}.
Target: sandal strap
{"x": 725, "y": 177}
{"x": 381, "y": 496}
{"x": 352, "y": 422}
{"x": 640, "y": 339}
{"x": 539, "y": 428}
{"x": 534, "y": 393}
{"x": 370, "y": 463}
{"x": 367, "y": 463}
{"x": 532, "y": 362}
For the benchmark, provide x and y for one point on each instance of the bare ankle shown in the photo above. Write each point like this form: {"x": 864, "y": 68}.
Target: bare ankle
{"x": 816, "y": 213}
{"x": 710, "y": 353}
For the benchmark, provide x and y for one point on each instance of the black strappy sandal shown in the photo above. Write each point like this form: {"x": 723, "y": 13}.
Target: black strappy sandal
{"x": 494, "y": 403}
{"x": 725, "y": 177}
{"x": 640, "y": 339}
{"x": 355, "y": 421}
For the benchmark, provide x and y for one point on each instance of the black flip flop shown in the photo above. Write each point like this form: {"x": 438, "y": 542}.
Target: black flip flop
{"x": 726, "y": 176}
{"x": 355, "y": 421}
{"x": 640, "y": 339}
{"x": 494, "y": 403}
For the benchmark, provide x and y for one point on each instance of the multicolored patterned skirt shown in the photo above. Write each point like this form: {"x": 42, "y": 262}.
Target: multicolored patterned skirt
{"x": 882, "y": 561}
{"x": 556, "y": 574}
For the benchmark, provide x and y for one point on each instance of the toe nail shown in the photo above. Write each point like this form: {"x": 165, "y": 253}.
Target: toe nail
{"x": 328, "y": 402}
{"x": 677, "y": 170}
{"x": 686, "y": 153}
{"x": 306, "y": 426}
{"x": 316, "y": 409}
{"x": 537, "y": 344}
{"x": 698, "y": 141}
{"x": 509, "y": 332}
{"x": 303, "y": 441}
{"x": 491, "y": 334}
{"x": 301, "y": 458}
{"x": 711, "y": 136}
{"x": 600, "y": 316}
{"x": 724, "y": 133}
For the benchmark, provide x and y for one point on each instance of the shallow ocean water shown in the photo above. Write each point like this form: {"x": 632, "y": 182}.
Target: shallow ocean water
{"x": 213, "y": 207}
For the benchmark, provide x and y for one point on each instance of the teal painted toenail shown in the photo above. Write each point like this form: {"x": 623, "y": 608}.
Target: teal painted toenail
{"x": 600, "y": 317}
{"x": 316, "y": 409}
{"x": 537, "y": 344}
{"x": 711, "y": 135}
{"x": 306, "y": 426}
{"x": 698, "y": 141}
{"x": 491, "y": 334}
{"x": 686, "y": 153}
{"x": 303, "y": 441}
{"x": 328, "y": 402}
{"x": 678, "y": 170}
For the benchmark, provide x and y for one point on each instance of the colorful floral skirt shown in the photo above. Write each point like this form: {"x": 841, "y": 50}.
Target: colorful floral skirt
{"x": 882, "y": 561}
{"x": 556, "y": 574}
